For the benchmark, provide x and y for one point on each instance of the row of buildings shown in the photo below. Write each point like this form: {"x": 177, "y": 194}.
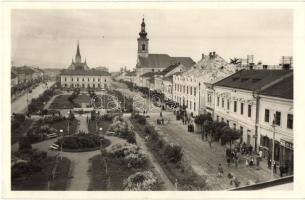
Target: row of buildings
{"x": 25, "y": 74}
{"x": 253, "y": 98}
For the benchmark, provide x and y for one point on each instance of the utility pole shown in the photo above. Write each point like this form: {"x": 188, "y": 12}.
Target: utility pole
{"x": 272, "y": 157}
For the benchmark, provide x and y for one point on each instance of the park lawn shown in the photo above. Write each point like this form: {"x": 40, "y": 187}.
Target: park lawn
{"x": 62, "y": 101}
{"x": 16, "y": 134}
{"x": 62, "y": 175}
{"x": 101, "y": 124}
{"x": 117, "y": 173}
{"x": 64, "y": 126}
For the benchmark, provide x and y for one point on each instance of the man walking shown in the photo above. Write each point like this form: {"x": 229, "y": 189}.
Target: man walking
{"x": 220, "y": 171}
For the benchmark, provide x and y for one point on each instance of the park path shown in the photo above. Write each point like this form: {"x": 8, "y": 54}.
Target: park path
{"x": 157, "y": 168}
{"x": 83, "y": 125}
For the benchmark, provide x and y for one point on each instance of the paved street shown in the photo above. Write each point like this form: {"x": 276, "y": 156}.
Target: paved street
{"x": 204, "y": 159}
{"x": 20, "y": 104}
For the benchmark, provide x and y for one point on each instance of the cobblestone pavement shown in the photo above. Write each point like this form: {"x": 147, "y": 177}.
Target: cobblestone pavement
{"x": 205, "y": 160}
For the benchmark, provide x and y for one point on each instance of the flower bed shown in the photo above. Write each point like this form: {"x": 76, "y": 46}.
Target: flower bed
{"x": 141, "y": 181}
{"x": 83, "y": 142}
{"x": 121, "y": 128}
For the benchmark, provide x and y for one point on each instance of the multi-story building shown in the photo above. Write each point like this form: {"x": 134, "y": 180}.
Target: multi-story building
{"x": 79, "y": 75}
{"x": 237, "y": 100}
{"x": 189, "y": 88}
{"x": 276, "y": 122}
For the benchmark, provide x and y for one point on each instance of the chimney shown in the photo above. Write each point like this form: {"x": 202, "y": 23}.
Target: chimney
{"x": 214, "y": 54}
{"x": 202, "y": 56}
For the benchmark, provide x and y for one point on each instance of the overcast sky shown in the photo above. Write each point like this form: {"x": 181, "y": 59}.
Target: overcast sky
{"x": 48, "y": 38}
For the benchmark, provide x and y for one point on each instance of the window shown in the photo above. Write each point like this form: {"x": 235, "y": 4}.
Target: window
{"x": 65, "y": 78}
{"x": 249, "y": 110}
{"x": 191, "y": 105}
{"x": 194, "y": 91}
{"x": 72, "y": 78}
{"x": 83, "y": 79}
{"x": 88, "y": 79}
{"x": 143, "y": 47}
{"x": 267, "y": 114}
{"x": 217, "y": 118}
{"x": 77, "y": 78}
{"x": 184, "y": 89}
{"x": 290, "y": 121}
{"x": 222, "y": 119}
{"x": 241, "y": 130}
{"x": 194, "y": 106}
{"x": 278, "y": 118}
{"x": 217, "y": 101}
{"x": 187, "y": 89}
{"x": 235, "y": 106}
{"x": 93, "y": 79}
{"x": 175, "y": 87}
{"x": 228, "y": 104}
{"x": 222, "y": 102}
{"x": 241, "y": 108}
{"x": 191, "y": 90}
{"x": 234, "y": 126}
{"x": 228, "y": 123}
{"x": 187, "y": 103}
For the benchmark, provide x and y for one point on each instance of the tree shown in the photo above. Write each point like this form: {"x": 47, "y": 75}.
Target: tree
{"x": 217, "y": 129}
{"x": 24, "y": 144}
{"x": 229, "y": 135}
{"x": 235, "y": 61}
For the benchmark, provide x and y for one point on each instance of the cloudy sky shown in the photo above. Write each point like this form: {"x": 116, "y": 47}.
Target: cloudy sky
{"x": 48, "y": 38}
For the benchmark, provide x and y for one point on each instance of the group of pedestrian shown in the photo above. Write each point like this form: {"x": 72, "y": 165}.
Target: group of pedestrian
{"x": 232, "y": 157}
{"x": 246, "y": 149}
{"x": 233, "y": 179}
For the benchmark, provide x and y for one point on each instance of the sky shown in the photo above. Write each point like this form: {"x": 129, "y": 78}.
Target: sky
{"x": 48, "y": 38}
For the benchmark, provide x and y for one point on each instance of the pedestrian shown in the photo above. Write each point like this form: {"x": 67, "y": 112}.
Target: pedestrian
{"x": 161, "y": 114}
{"x": 251, "y": 162}
{"x": 162, "y": 121}
{"x": 228, "y": 161}
{"x": 247, "y": 162}
{"x": 210, "y": 142}
{"x": 274, "y": 167}
{"x": 260, "y": 155}
{"x": 220, "y": 171}
{"x": 236, "y": 161}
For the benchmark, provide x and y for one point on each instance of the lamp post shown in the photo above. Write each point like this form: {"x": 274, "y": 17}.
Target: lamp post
{"x": 272, "y": 156}
{"x": 62, "y": 141}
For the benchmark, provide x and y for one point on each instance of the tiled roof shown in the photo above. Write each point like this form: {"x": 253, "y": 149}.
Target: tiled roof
{"x": 162, "y": 61}
{"x": 252, "y": 79}
{"x": 283, "y": 89}
{"x": 170, "y": 68}
{"x": 89, "y": 72}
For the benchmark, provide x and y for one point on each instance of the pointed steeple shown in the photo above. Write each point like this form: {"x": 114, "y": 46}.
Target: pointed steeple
{"x": 143, "y": 33}
{"x": 78, "y": 56}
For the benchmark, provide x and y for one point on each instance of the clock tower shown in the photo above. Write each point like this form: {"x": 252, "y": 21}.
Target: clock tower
{"x": 143, "y": 41}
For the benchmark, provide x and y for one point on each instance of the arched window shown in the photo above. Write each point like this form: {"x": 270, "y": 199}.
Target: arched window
{"x": 143, "y": 47}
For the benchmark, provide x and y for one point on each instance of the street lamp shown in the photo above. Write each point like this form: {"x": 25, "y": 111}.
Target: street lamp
{"x": 273, "y": 137}
{"x": 62, "y": 141}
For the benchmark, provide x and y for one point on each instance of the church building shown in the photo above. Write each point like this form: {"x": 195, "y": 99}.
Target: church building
{"x": 79, "y": 75}
{"x": 147, "y": 62}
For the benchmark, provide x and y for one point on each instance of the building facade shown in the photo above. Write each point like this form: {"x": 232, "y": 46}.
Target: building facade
{"x": 79, "y": 75}
{"x": 276, "y": 122}
{"x": 237, "y": 100}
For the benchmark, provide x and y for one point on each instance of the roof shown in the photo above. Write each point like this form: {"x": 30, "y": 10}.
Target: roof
{"x": 150, "y": 74}
{"x": 252, "y": 79}
{"x": 169, "y": 78}
{"x": 13, "y": 75}
{"x": 162, "y": 61}
{"x": 133, "y": 73}
{"x": 283, "y": 89}
{"x": 170, "y": 68}
{"x": 88, "y": 72}
{"x": 23, "y": 70}
{"x": 210, "y": 70}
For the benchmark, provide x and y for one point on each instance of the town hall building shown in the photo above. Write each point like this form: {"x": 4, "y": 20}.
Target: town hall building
{"x": 79, "y": 75}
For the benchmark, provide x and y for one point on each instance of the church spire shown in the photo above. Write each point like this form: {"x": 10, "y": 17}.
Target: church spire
{"x": 78, "y": 56}
{"x": 143, "y": 33}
